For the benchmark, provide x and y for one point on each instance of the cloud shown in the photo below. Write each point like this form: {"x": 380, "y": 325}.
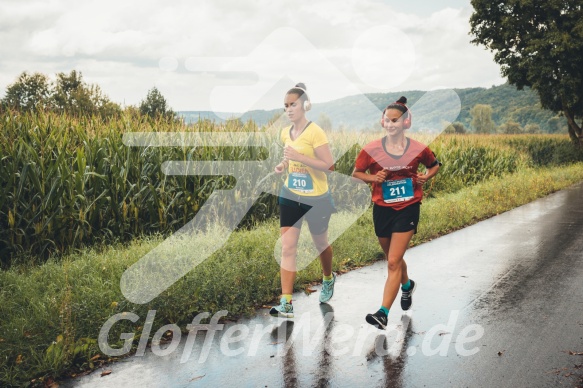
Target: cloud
{"x": 119, "y": 44}
{"x": 446, "y": 58}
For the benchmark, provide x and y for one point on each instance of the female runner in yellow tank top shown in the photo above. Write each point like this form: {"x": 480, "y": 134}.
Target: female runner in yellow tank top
{"x": 307, "y": 160}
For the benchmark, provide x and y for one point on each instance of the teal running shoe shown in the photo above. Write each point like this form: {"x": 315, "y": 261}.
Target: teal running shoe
{"x": 284, "y": 310}
{"x": 327, "y": 289}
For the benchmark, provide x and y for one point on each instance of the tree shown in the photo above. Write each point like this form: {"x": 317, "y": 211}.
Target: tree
{"x": 457, "y": 128}
{"x": 155, "y": 105}
{"x": 72, "y": 95}
{"x": 539, "y": 44}
{"x": 449, "y": 130}
{"x": 29, "y": 92}
{"x": 482, "y": 119}
{"x": 554, "y": 124}
{"x": 511, "y": 128}
{"x": 68, "y": 94}
{"x": 532, "y": 128}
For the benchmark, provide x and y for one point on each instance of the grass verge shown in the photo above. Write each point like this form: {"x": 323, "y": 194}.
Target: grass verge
{"x": 52, "y": 314}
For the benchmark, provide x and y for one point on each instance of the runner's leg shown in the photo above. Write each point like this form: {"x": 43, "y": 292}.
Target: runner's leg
{"x": 289, "y": 243}
{"x": 397, "y": 245}
{"x": 323, "y": 246}
{"x": 385, "y": 244}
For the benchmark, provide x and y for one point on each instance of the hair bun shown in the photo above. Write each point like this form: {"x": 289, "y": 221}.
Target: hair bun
{"x": 402, "y": 100}
{"x": 301, "y": 85}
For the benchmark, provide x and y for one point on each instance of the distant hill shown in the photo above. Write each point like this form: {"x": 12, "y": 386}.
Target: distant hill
{"x": 361, "y": 112}
{"x": 508, "y": 103}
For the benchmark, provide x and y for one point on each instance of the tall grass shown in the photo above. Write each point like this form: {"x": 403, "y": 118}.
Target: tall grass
{"x": 69, "y": 182}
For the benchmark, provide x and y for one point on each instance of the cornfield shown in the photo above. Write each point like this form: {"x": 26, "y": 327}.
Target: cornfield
{"x": 67, "y": 182}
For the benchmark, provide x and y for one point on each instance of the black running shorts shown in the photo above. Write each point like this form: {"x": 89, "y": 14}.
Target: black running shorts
{"x": 388, "y": 220}
{"x": 292, "y": 212}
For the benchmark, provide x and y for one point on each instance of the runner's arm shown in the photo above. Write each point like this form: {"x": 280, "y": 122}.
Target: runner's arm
{"x": 323, "y": 160}
{"x": 430, "y": 173}
{"x": 379, "y": 177}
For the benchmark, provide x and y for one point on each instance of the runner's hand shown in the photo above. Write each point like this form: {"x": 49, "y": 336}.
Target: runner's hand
{"x": 381, "y": 176}
{"x": 421, "y": 179}
{"x": 291, "y": 154}
{"x": 280, "y": 168}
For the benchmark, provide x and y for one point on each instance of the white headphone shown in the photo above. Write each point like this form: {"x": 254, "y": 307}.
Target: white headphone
{"x": 307, "y": 103}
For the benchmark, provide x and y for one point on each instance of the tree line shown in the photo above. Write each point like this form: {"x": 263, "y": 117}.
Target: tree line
{"x": 70, "y": 94}
{"x": 482, "y": 121}
{"x": 538, "y": 44}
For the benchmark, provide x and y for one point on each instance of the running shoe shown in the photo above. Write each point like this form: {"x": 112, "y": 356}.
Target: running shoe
{"x": 378, "y": 319}
{"x": 284, "y": 310}
{"x": 327, "y": 289}
{"x": 407, "y": 297}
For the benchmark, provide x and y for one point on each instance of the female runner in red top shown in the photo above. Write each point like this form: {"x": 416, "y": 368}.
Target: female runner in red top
{"x": 390, "y": 165}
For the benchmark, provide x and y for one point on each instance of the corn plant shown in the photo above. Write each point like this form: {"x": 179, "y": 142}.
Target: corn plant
{"x": 70, "y": 182}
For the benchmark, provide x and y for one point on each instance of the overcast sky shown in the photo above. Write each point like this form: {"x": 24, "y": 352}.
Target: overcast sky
{"x": 227, "y": 55}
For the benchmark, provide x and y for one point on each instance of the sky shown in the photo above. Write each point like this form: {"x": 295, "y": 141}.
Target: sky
{"x": 234, "y": 56}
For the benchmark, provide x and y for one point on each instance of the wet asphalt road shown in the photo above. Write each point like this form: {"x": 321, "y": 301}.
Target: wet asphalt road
{"x": 498, "y": 304}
